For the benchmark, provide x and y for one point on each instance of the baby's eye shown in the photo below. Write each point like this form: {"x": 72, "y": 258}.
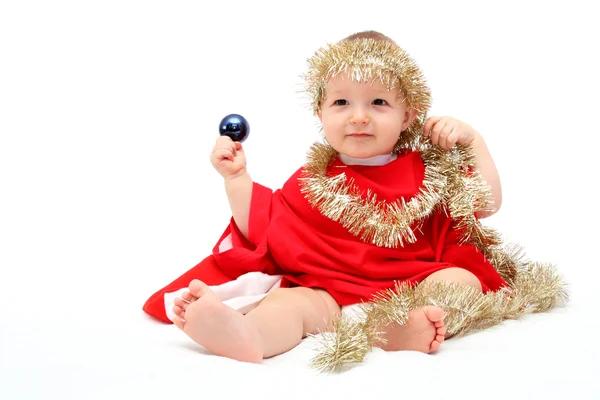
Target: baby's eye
{"x": 340, "y": 102}
{"x": 379, "y": 102}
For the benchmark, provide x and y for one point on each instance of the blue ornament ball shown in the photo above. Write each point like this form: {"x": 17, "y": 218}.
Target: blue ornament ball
{"x": 235, "y": 126}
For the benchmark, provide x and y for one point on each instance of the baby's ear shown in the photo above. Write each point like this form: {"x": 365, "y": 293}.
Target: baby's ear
{"x": 409, "y": 117}
{"x": 320, "y": 115}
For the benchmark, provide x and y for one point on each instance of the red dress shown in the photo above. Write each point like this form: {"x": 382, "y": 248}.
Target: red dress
{"x": 287, "y": 237}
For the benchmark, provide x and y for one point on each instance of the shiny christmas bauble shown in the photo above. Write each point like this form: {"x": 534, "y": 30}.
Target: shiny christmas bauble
{"x": 235, "y": 126}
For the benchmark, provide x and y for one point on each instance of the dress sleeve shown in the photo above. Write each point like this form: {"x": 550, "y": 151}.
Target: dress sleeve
{"x": 258, "y": 223}
{"x": 260, "y": 213}
{"x": 452, "y": 250}
{"x": 237, "y": 254}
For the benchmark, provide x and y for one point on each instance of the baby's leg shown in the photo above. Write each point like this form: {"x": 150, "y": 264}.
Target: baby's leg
{"x": 286, "y": 316}
{"x": 275, "y": 326}
{"x": 424, "y": 331}
{"x": 457, "y": 275}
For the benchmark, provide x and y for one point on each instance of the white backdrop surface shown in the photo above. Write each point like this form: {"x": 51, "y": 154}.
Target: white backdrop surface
{"x": 108, "y": 113}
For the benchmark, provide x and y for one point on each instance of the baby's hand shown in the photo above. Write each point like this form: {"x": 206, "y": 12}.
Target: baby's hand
{"x": 447, "y": 131}
{"x": 228, "y": 157}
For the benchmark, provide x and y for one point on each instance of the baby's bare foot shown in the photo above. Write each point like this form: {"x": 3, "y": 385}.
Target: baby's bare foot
{"x": 424, "y": 331}
{"x": 217, "y": 327}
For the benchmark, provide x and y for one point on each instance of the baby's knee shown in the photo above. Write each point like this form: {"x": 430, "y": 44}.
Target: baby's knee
{"x": 457, "y": 275}
{"x": 315, "y": 300}
{"x": 318, "y": 298}
{"x": 295, "y": 295}
{"x": 279, "y": 294}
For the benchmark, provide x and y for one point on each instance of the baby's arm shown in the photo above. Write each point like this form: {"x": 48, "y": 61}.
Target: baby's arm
{"x": 229, "y": 160}
{"x": 485, "y": 164}
{"x": 239, "y": 193}
{"x": 447, "y": 131}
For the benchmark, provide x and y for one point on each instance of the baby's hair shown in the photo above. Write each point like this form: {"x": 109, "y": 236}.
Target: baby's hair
{"x": 369, "y": 35}
{"x": 368, "y": 55}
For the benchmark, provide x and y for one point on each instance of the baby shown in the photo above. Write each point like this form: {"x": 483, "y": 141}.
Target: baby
{"x": 352, "y": 222}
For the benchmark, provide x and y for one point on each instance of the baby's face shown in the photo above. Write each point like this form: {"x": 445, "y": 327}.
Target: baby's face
{"x": 362, "y": 120}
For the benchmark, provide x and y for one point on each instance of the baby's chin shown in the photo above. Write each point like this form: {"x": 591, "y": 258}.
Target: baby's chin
{"x": 363, "y": 154}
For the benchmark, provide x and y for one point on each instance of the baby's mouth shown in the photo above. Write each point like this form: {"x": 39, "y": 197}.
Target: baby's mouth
{"x": 360, "y": 135}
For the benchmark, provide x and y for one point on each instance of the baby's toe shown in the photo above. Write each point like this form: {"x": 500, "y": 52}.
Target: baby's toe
{"x": 180, "y": 303}
{"x": 187, "y": 296}
{"x": 198, "y": 288}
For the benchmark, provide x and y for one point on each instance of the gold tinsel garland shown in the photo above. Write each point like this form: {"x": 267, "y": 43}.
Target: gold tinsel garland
{"x": 536, "y": 288}
{"x": 377, "y": 222}
{"x": 368, "y": 60}
{"x": 448, "y": 183}
{"x": 451, "y": 183}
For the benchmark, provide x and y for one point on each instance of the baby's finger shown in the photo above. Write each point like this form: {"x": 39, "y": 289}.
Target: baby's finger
{"x": 218, "y": 149}
{"x": 445, "y": 135}
{"x": 224, "y": 139}
{"x": 224, "y": 154}
{"x": 437, "y": 130}
{"x": 429, "y": 124}
{"x": 451, "y": 139}
{"x": 233, "y": 148}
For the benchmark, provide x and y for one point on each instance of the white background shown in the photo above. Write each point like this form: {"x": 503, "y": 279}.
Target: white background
{"x": 109, "y": 110}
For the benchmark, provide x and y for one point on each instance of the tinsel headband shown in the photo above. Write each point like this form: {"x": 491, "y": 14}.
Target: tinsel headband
{"x": 367, "y": 60}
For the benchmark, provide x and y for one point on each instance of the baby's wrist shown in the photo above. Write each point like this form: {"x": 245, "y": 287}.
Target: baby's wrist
{"x": 239, "y": 176}
{"x": 477, "y": 140}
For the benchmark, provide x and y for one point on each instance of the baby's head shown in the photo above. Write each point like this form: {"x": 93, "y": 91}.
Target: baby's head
{"x": 367, "y": 91}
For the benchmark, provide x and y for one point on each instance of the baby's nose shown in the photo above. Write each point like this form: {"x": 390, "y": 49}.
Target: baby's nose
{"x": 359, "y": 116}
